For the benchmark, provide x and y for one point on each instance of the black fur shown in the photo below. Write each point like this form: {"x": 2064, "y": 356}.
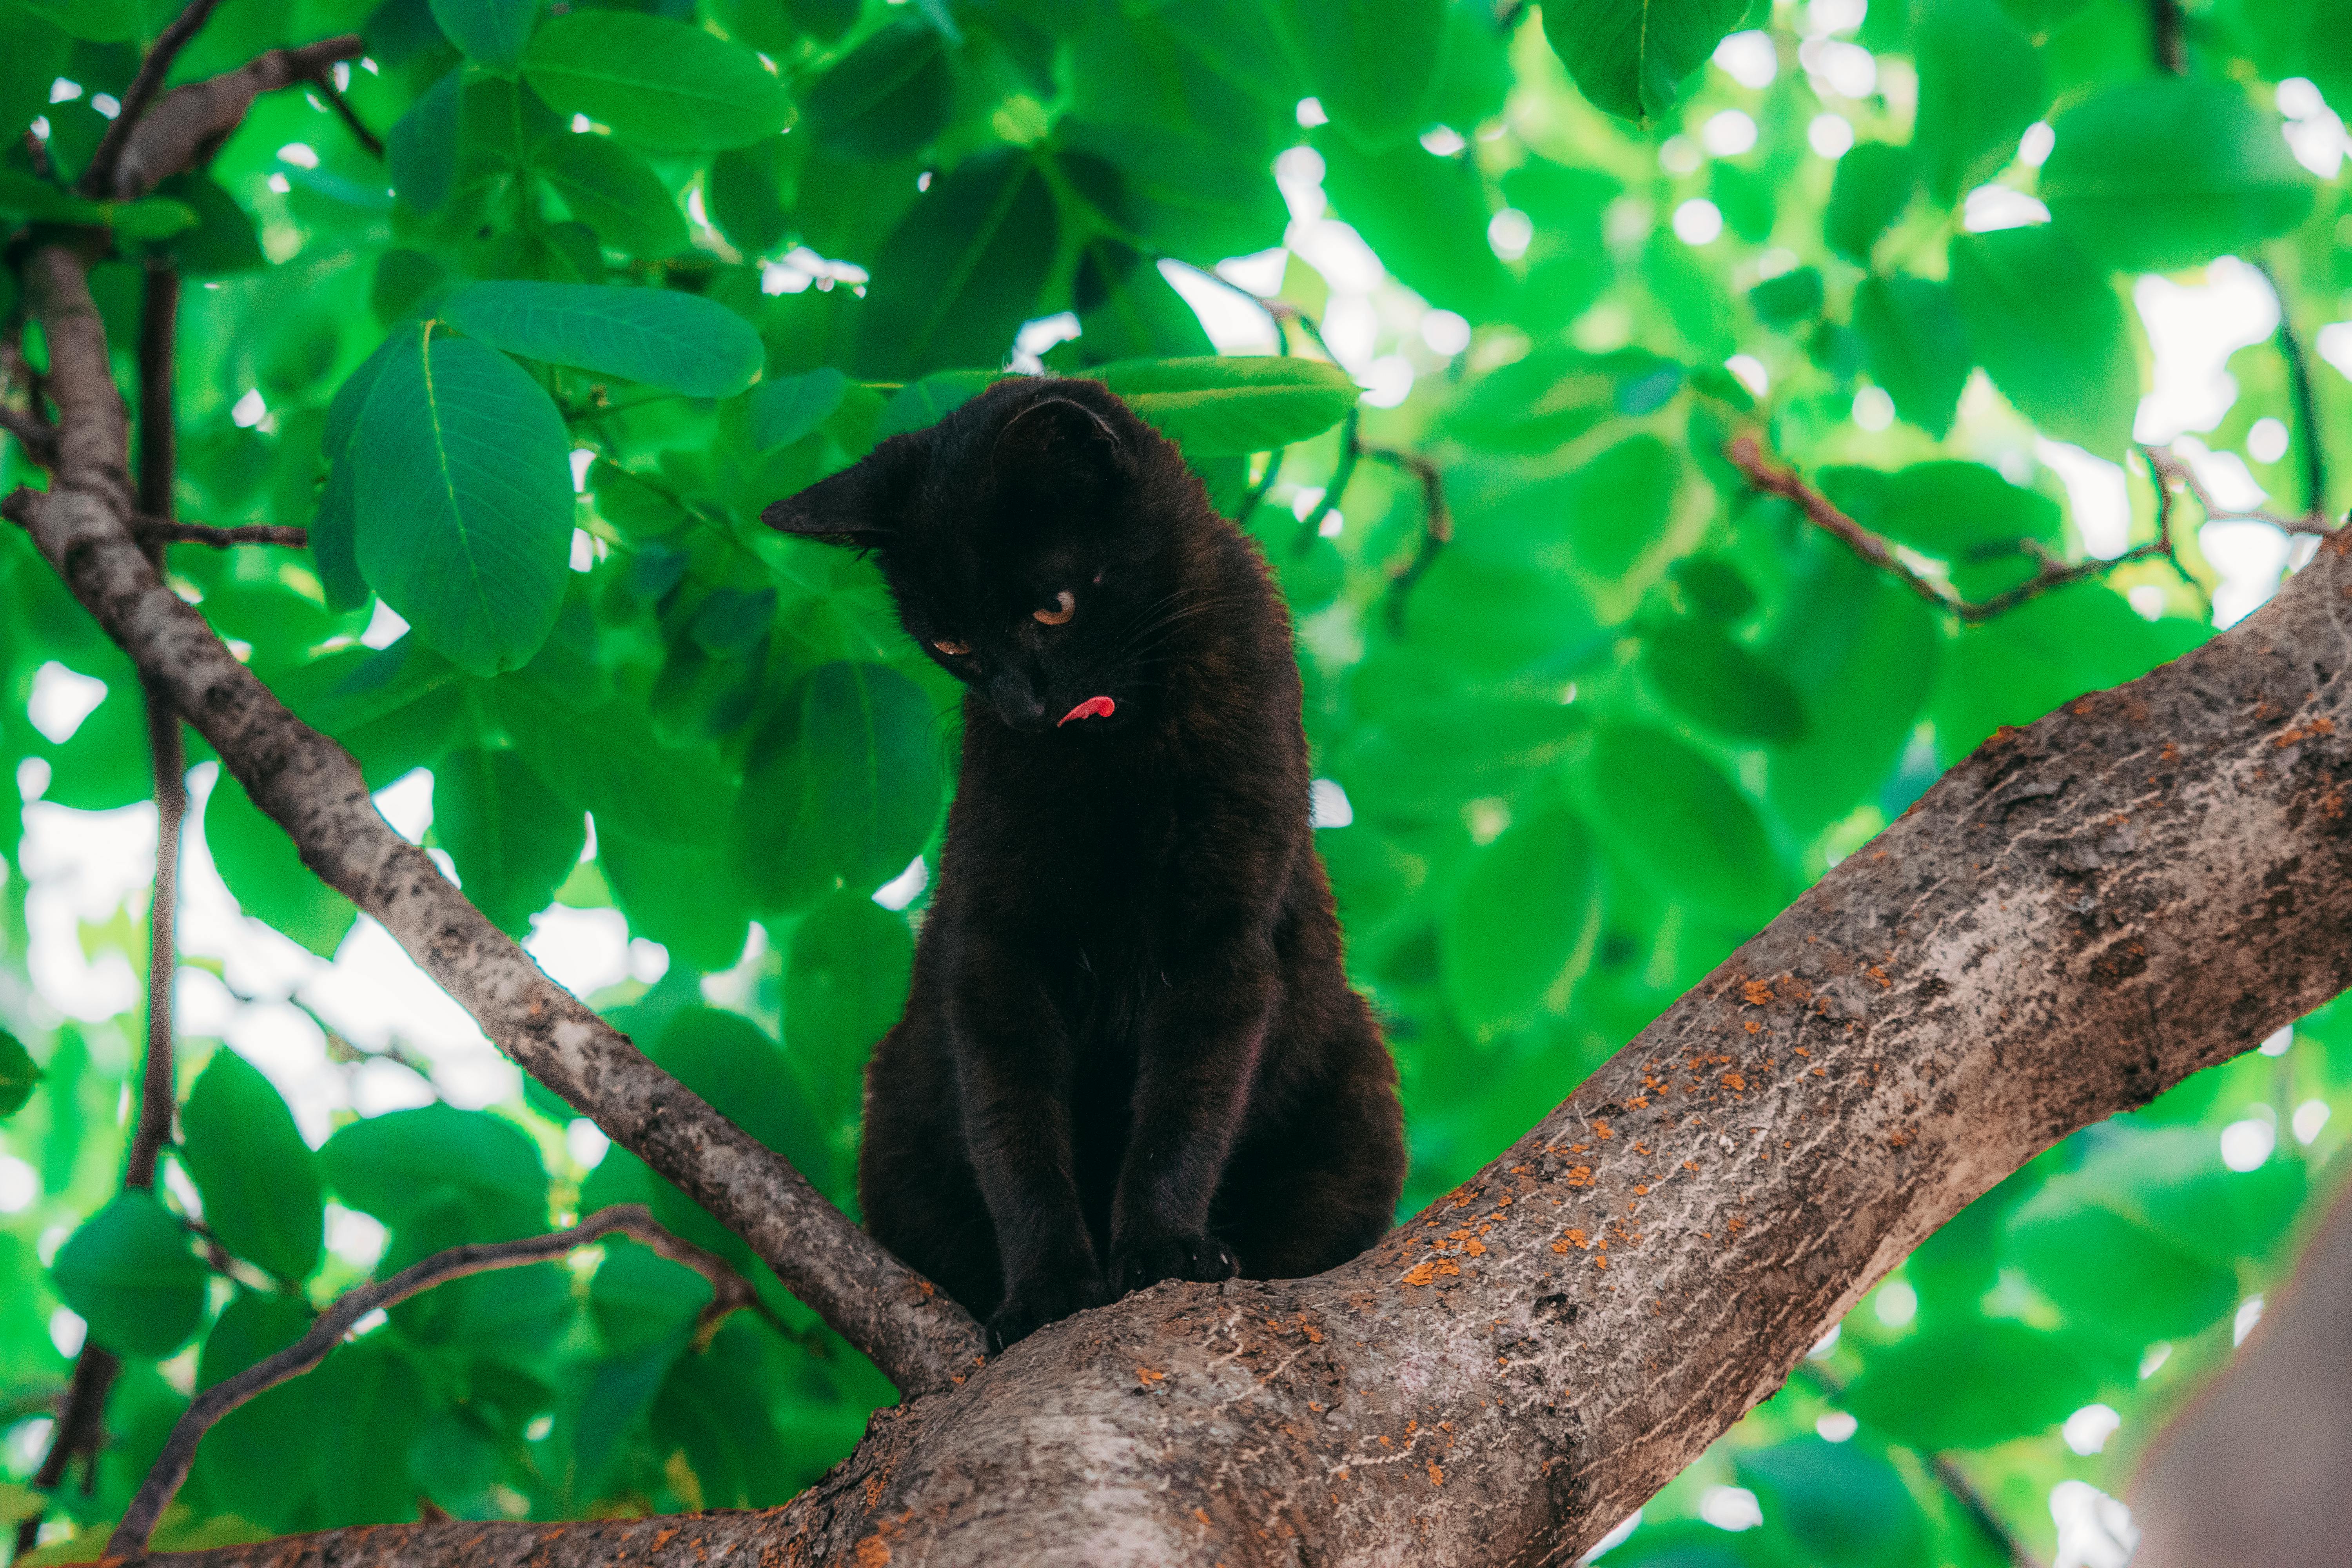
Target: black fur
{"x": 1130, "y": 1052}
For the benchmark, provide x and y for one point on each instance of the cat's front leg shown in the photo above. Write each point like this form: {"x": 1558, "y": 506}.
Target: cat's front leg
{"x": 1202, "y": 1029}
{"x": 1012, "y": 1061}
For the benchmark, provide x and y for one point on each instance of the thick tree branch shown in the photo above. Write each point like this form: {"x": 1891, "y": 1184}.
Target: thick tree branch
{"x": 1747, "y": 456}
{"x": 731, "y": 1293}
{"x": 187, "y": 123}
{"x": 2145, "y": 882}
{"x": 313, "y": 788}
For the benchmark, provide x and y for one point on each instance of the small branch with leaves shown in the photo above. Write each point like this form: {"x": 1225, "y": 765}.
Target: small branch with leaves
{"x": 1746, "y": 454}
{"x": 2171, "y": 472}
{"x": 731, "y": 1293}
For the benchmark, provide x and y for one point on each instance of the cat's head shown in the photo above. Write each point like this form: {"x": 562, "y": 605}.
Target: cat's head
{"x": 1033, "y": 541}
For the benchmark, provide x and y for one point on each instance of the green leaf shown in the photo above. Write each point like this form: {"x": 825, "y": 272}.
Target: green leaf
{"x": 155, "y": 217}
{"x": 18, "y": 1074}
{"x": 1426, "y": 218}
{"x": 258, "y": 1179}
{"x": 1669, "y": 812}
{"x": 657, "y": 336}
{"x": 1980, "y": 85}
{"x": 2170, "y": 172}
{"x": 1629, "y": 57}
{"x": 394, "y": 1164}
{"x": 1841, "y": 1502}
{"x": 1872, "y": 186}
{"x": 261, "y": 1459}
{"x": 130, "y": 1274}
{"x": 464, "y": 525}
{"x": 691, "y": 900}
{"x": 1371, "y": 64}
{"x": 2050, "y": 330}
{"x": 512, "y": 840}
{"x": 99, "y": 21}
{"x": 1952, "y": 510}
{"x": 1422, "y": 761}
{"x": 1198, "y": 195}
{"x": 729, "y": 1061}
{"x": 789, "y": 407}
{"x": 919, "y": 405}
{"x": 1720, "y": 684}
{"x": 1522, "y": 926}
{"x": 888, "y": 97}
{"x": 1974, "y": 1382}
{"x": 1864, "y": 652}
{"x": 262, "y": 869}
{"x": 420, "y": 148}
{"x": 1915, "y": 346}
{"x": 745, "y": 196}
{"x": 845, "y": 977}
{"x": 843, "y": 785}
{"x": 1226, "y": 407}
{"x": 962, "y": 270}
{"x": 614, "y": 192}
{"x": 660, "y": 82}
{"x": 35, "y": 57}
{"x": 492, "y": 33}
{"x": 628, "y": 780}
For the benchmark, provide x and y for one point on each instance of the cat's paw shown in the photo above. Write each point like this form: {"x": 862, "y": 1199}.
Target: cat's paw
{"x": 1039, "y": 1302}
{"x": 1147, "y": 1260}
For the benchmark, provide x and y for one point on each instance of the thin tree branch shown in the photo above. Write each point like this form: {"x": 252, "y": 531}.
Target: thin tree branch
{"x": 1747, "y": 455}
{"x": 2165, "y": 31}
{"x": 99, "y": 178}
{"x": 1343, "y": 473}
{"x": 161, "y": 531}
{"x": 35, "y": 434}
{"x": 920, "y": 1338}
{"x": 1949, "y": 1475}
{"x": 334, "y": 99}
{"x": 1437, "y": 531}
{"x": 187, "y": 123}
{"x": 731, "y": 1293}
{"x": 2170, "y": 470}
{"x": 2306, "y": 406}
{"x": 80, "y": 1428}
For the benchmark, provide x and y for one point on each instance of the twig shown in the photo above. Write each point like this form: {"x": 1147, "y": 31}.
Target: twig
{"x": 80, "y": 1428}
{"x": 2164, "y": 26}
{"x": 2169, "y": 469}
{"x": 335, "y": 100}
{"x": 1352, "y": 452}
{"x": 1747, "y": 456}
{"x": 1258, "y": 495}
{"x": 1436, "y": 532}
{"x": 730, "y": 1293}
{"x": 1954, "y": 1480}
{"x": 99, "y": 177}
{"x": 187, "y": 123}
{"x": 2307, "y": 407}
{"x": 160, "y": 531}
{"x": 35, "y": 434}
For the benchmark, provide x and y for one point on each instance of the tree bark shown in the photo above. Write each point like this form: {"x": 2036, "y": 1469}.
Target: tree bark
{"x": 2142, "y": 884}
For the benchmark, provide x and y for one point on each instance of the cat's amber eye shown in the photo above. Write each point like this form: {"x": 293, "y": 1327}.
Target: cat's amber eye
{"x": 1066, "y": 605}
{"x": 951, "y": 648}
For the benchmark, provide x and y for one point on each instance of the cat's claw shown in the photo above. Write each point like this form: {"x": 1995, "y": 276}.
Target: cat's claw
{"x": 1203, "y": 1258}
{"x": 1026, "y": 1310}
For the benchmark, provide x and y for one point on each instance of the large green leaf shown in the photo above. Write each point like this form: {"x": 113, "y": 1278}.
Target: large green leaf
{"x": 845, "y": 979}
{"x": 658, "y": 336}
{"x": 266, "y": 873}
{"x": 1629, "y": 57}
{"x": 1224, "y": 406}
{"x": 1426, "y": 218}
{"x": 1980, "y": 84}
{"x": 690, "y": 898}
{"x": 962, "y": 270}
{"x": 1864, "y": 652}
{"x": 492, "y": 33}
{"x": 888, "y": 95}
{"x": 789, "y": 407}
{"x": 2170, "y": 172}
{"x": 1974, "y": 1382}
{"x": 19, "y": 1075}
{"x": 260, "y": 1461}
{"x": 843, "y": 787}
{"x": 131, "y": 1274}
{"x": 511, "y": 838}
{"x": 1706, "y": 675}
{"x": 464, "y": 504}
{"x": 393, "y": 1165}
{"x": 1666, "y": 809}
{"x": 1915, "y": 346}
{"x": 1371, "y": 64}
{"x": 1522, "y": 926}
{"x": 2050, "y": 329}
{"x": 660, "y": 82}
{"x": 1843, "y": 1503}
{"x": 613, "y": 191}
{"x": 258, "y": 1179}
{"x": 608, "y": 762}
{"x": 1874, "y": 184}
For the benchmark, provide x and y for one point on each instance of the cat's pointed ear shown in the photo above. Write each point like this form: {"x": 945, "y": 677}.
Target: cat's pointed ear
{"x": 1057, "y": 439}
{"x": 844, "y": 510}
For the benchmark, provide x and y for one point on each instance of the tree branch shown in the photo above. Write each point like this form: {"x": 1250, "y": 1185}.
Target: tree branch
{"x": 2170, "y": 470}
{"x": 335, "y": 100}
{"x": 310, "y": 786}
{"x": 161, "y": 531}
{"x": 99, "y": 178}
{"x": 33, "y": 433}
{"x": 2307, "y": 407}
{"x": 187, "y": 123}
{"x": 1437, "y": 529}
{"x": 731, "y": 1293}
{"x": 2051, "y": 573}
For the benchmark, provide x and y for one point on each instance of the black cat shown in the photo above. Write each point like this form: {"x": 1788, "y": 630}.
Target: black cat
{"x": 1130, "y": 1052}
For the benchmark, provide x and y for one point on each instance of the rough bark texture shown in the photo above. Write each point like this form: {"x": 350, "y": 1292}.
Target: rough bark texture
{"x": 2140, "y": 885}
{"x": 313, "y": 789}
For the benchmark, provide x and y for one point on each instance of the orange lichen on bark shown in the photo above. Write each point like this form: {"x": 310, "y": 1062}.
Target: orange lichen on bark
{"x": 1757, "y": 991}
{"x": 1437, "y": 1476}
{"x": 1579, "y": 1176}
{"x": 1149, "y": 1378}
{"x": 1421, "y": 1273}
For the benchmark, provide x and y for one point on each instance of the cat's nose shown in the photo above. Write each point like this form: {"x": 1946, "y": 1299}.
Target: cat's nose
{"x": 1017, "y": 702}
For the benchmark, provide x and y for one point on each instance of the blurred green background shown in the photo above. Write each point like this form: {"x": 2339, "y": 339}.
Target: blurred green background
{"x": 651, "y": 266}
